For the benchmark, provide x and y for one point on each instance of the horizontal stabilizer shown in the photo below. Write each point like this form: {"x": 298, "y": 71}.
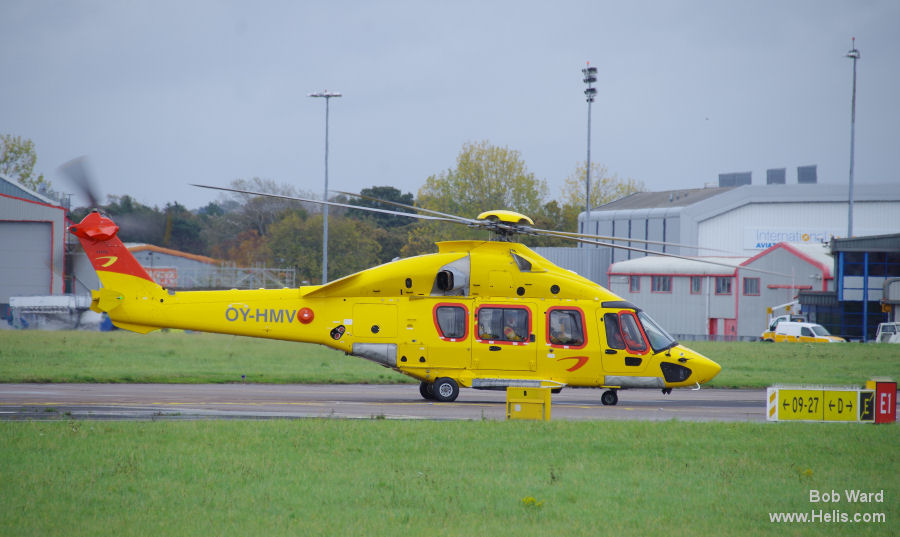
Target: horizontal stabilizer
{"x": 105, "y": 300}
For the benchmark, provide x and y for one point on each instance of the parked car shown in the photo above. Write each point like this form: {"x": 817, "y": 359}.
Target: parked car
{"x": 800, "y": 332}
{"x": 888, "y": 333}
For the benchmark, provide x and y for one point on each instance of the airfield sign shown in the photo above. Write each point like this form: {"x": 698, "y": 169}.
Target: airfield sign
{"x": 818, "y": 403}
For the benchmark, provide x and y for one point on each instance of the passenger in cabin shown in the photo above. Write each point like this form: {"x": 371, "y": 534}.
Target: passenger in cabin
{"x": 511, "y": 330}
{"x": 558, "y": 335}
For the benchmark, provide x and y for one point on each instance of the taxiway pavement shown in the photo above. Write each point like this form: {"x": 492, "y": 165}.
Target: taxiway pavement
{"x": 264, "y": 401}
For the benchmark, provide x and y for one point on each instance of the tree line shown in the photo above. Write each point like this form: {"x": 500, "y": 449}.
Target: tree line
{"x": 254, "y": 231}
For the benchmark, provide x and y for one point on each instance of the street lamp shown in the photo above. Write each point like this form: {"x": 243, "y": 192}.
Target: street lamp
{"x": 590, "y": 76}
{"x": 854, "y": 54}
{"x": 327, "y": 95}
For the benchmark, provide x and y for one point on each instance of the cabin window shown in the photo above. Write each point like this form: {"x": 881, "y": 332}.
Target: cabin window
{"x": 511, "y": 324}
{"x": 565, "y": 327}
{"x": 451, "y": 321}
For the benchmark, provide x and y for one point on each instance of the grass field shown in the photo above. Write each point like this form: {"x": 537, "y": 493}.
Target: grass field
{"x": 377, "y": 477}
{"x": 380, "y": 477}
{"x": 35, "y": 356}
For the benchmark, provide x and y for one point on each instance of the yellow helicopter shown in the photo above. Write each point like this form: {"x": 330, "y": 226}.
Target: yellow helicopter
{"x": 477, "y": 314}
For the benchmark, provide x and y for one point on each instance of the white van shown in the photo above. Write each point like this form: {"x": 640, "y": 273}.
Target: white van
{"x": 800, "y": 332}
{"x": 888, "y": 333}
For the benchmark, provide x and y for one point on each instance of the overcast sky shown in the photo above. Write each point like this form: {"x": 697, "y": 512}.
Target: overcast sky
{"x": 160, "y": 94}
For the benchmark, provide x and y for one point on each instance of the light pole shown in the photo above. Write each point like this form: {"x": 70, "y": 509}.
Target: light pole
{"x": 590, "y": 76}
{"x": 327, "y": 95}
{"x": 854, "y": 54}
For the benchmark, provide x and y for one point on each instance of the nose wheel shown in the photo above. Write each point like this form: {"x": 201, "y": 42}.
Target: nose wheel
{"x": 609, "y": 398}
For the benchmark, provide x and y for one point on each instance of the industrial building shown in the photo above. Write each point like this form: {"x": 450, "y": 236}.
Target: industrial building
{"x": 743, "y": 225}
{"x": 175, "y": 269}
{"x": 722, "y": 297}
{"x": 732, "y": 220}
{"x": 743, "y": 220}
{"x": 32, "y": 244}
{"x": 866, "y": 290}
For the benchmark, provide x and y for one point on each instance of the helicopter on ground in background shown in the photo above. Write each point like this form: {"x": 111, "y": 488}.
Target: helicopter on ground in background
{"x": 483, "y": 314}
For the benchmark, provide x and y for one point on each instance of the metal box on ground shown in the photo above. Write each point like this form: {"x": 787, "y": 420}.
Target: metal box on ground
{"x": 528, "y": 404}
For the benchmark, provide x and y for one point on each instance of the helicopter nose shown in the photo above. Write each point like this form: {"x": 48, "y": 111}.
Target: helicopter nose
{"x": 704, "y": 369}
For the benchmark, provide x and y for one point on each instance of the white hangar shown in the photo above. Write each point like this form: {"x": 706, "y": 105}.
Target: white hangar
{"x": 32, "y": 244}
{"x": 722, "y": 297}
{"x": 743, "y": 220}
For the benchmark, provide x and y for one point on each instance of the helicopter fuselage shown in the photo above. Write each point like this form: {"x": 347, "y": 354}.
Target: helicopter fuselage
{"x": 486, "y": 314}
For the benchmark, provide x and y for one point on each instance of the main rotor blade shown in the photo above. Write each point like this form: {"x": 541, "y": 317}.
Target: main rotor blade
{"x": 460, "y": 219}
{"x": 330, "y": 203}
{"x": 676, "y": 256}
{"x": 574, "y": 236}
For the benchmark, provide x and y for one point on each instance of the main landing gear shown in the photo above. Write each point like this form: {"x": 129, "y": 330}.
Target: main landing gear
{"x": 609, "y": 398}
{"x": 443, "y": 390}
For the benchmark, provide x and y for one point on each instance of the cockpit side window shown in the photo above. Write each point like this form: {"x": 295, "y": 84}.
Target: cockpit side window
{"x": 613, "y": 334}
{"x": 623, "y": 331}
{"x": 631, "y": 330}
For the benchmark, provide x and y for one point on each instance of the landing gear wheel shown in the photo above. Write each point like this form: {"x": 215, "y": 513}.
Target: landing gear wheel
{"x": 667, "y": 391}
{"x": 609, "y": 398}
{"x": 555, "y": 390}
{"x": 445, "y": 390}
{"x": 427, "y": 390}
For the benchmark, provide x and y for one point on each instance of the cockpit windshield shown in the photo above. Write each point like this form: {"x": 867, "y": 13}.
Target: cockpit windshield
{"x": 660, "y": 340}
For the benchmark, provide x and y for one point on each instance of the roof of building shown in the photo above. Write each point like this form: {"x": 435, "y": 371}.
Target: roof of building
{"x": 872, "y": 243}
{"x": 9, "y": 187}
{"x": 138, "y": 247}
{"x": 698, "y": 266}
{"x": 816, "y": 254}
{"x": 666, "y": 198}
{"x": 708, "y": 202}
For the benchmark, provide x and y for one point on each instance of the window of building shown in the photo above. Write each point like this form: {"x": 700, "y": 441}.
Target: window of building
{"x": 723, "y": 285}
{"x": 511, "y": 324}
{"x": 634, "y": 284}
{"x": 565, "y": 327}
{"x": 661, "y": 284}
{"x": 451, "y": 321}
{"x": 696, "y": 285}
{"x": 751, "y": 286}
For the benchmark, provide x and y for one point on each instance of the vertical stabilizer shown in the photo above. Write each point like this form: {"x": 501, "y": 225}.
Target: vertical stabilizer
{"x": 99, "y": 238}
{"x": 127, "y": 291}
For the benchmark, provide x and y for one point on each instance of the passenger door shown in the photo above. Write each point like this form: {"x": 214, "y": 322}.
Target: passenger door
{"x": 504, "y": 338}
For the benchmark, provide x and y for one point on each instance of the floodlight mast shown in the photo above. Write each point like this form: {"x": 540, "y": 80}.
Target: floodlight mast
{"x": 590, "y": 76}
{"x": 854, "y": 55}
{"x": 327, "y": 95}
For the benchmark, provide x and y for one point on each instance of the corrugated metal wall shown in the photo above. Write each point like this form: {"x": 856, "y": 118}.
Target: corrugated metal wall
{"x": 32, "y": 248}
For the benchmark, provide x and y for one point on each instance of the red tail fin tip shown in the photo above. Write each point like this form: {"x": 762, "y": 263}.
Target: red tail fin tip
{"x": 95, "y": 227}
